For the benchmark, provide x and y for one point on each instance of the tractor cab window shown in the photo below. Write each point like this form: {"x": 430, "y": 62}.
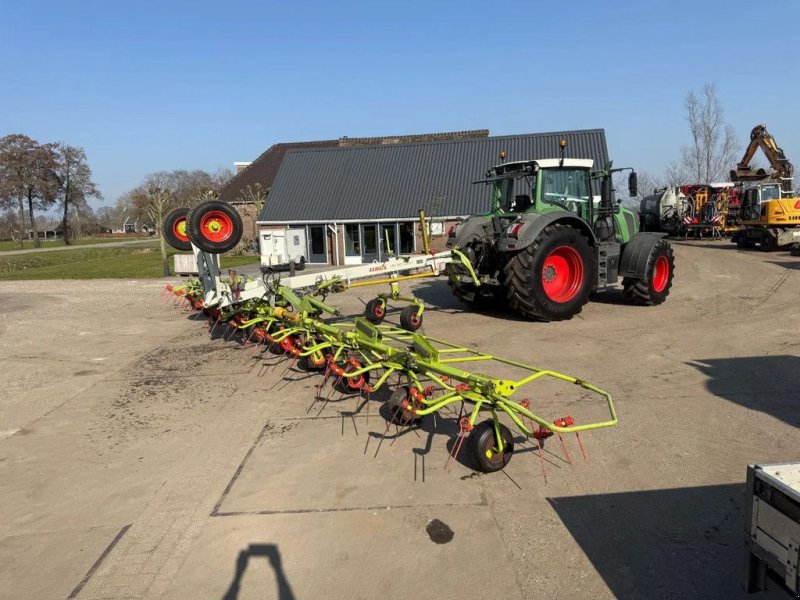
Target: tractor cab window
{"x": 514, "y": 195}
{"x": 567, "y": 189}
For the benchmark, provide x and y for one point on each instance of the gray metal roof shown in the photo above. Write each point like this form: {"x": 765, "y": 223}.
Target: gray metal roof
{"x": 395, "y": 181}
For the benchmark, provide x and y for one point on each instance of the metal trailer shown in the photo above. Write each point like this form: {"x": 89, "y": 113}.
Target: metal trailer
{"x": 772, "y": 525}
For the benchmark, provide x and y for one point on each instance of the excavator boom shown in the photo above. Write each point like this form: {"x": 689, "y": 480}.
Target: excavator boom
{"x": 782, "y": 169}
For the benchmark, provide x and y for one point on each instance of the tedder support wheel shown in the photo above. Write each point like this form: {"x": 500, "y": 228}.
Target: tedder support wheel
{"x": 483, "y": 447}
{"x": 409, "y": 319}
{"x": 375, "y": 311}
{"x": 215, "y": 227}
{"x": 552, "y": 278}
{"x": 654, "y": 288}
{"x": 397, "y": 414}
{"x": 175, "y": 230}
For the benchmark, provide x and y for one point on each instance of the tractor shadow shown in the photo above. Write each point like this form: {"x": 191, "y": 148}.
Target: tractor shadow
{"x": 766, "y": 384}
{"x": 672, "y": 543}
{"x": 272, "y": 555}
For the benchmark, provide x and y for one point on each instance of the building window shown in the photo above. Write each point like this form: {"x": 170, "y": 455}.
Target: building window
{"x": 406, "y": 238}
{"x": 352, "y": 240}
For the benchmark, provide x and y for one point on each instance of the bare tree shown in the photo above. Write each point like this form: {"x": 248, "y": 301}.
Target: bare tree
{"x": 254, "y": 194}
{"x": 713, "y": 149}
{"x": 76, "y": 185}
{"x": 156, "y": 197}
{"x": 27, "y": 175}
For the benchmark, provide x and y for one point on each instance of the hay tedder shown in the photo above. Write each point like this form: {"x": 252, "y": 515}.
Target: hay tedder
{"x": 417, "y": 375}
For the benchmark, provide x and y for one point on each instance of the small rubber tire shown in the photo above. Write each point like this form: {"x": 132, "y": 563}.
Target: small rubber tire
{"x": 654, "y": 288}
{"x": 396, "y": 413}
{"x": 375, "y": 311}
{"x": 175, "y": 230}
{"x": 409, "y": 319}
{"x": 214, "y": 227}
{"x": 482, "y": 444}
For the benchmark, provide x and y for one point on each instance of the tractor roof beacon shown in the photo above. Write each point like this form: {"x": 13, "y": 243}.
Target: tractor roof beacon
{"x": 547, "y": 243}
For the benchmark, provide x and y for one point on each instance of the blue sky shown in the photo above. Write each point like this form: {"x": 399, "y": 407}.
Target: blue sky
{"x": 146, "y": 86}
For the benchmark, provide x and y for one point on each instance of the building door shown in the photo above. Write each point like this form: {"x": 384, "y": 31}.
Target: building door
{"x": 317, "y": 248}
{"x": 388, "y": 232}
{"x": 369, "y": 242}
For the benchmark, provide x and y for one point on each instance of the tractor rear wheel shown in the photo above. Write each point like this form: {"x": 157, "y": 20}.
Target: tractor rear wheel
{"x": 175, "y": 230}
{"x": 654, "y": 287}
{"x": 214, "y": 227}
{"x": 552, "y": 278}
{"x": 483, "y": 446}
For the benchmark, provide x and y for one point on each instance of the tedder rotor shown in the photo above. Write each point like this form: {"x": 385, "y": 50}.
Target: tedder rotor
{"x": 359, "y": 356}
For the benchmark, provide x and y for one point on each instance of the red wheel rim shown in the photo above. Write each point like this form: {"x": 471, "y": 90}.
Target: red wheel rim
{"x": 216, "y": 226}
{"x": 660, "y": 274}
{"x": 179, "y": 229}
{"x": 378, "y": 312}
{"x": 562, "y": 274}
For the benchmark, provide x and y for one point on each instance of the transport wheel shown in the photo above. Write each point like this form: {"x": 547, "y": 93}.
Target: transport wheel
{"x": 483, "y": 447}
{"x": 409, "y": 319}
{"x": 397, "y": 414}
{"x": 351, "y": 385}
{"x": 175, "y": 230}
{"x": 214, "y": 226}
{"x": 375, "y": 311}
{"x": 551, "y": 279}
{"x": 655, "y": 286}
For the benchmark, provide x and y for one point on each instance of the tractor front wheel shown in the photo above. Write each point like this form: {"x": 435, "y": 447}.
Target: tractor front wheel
{"x": 484, "y": 450}
{"x": 552, "y": 278}
{"x": 654, "y": 287}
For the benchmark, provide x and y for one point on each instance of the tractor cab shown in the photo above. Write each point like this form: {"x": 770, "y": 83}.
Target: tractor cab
{"x": 542, "y": 186}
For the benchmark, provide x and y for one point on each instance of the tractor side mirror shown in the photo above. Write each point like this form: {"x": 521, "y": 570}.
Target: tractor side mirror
{"x": 633, "y": 184}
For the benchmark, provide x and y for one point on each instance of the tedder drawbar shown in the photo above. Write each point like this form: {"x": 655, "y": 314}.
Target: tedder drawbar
{"x": 361, "y": 356}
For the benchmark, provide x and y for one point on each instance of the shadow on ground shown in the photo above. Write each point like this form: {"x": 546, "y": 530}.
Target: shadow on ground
{"x": 766, "y": 384}
{"x": 272, "y": 556}
{"x": 674, "y": 543}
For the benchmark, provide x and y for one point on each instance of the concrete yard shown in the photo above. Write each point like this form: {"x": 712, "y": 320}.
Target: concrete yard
{"x": 140, "y": 458}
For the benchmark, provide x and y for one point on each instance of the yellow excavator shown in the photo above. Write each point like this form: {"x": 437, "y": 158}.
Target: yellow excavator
{"x": 770, "y": 210}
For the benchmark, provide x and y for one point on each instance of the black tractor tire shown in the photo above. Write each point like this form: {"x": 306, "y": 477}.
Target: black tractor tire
{"x": 175, "y": 230}
{"x": 214, "y": 227}
{"x": 375, "y": 311}
{"x": 395, "y": 411}
{"x": 409, "y": 320}
{"x": 527, "y": 290}
{"x": 654, "y": 288}
{"x": 769, "y": 243}
{"x": 482, "y": 443}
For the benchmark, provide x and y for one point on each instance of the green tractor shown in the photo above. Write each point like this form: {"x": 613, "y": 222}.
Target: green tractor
{"x": 547, "y": 244}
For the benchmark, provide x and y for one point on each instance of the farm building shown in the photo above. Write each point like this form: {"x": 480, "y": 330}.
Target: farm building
{"x": 356, "y": 204}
